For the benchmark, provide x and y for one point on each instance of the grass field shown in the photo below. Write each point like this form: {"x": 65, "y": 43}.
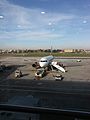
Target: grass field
{"x": 41, "y": 54}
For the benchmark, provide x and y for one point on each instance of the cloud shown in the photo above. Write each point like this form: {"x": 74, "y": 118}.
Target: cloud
{"x": 84, "y": 21}
{"x": 20, "y": 26}
{"x": 1, "y": 17}
{"x": 3, "y": 2}
{"x": 28, "y": 35}
{"x": 42, "y": 12}
{"x": 49, "y": 23}
{"x": 21, "y": 23}
{"x": 26, "y": 24}
{"x": 19, "y": 17}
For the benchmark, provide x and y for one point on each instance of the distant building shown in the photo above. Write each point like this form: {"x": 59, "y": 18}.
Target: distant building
{"x": 87, "y": 51}
{"x": 79, "y": 50}
{"x": 68, "y": 50}
{"x": 73, "y": 50}
{"x": 0, "y": 51}
{"x": 61, "y": 51}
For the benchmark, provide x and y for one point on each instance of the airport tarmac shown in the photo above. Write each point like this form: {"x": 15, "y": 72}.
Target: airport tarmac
{"x": 65, "y": 94}
{"x": 76, "y": 71}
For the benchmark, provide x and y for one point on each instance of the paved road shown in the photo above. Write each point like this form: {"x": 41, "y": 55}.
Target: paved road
{"x": 55, "y": 94}
{"x": 64, "y": 86}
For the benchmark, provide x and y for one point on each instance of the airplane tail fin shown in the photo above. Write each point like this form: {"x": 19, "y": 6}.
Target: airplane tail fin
{"x": 51, "y": 51}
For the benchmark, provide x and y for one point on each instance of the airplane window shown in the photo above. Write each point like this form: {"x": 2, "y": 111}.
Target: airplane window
{"x": 52, "y": 36}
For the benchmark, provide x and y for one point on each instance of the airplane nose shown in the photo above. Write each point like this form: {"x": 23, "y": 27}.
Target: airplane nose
{"x": 42, "y": 64}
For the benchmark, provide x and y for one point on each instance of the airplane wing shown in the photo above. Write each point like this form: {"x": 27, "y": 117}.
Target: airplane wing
{"x": 58, "y": 66}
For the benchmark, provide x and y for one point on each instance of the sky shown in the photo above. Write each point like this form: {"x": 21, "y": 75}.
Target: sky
{"x": 35, "y": 24}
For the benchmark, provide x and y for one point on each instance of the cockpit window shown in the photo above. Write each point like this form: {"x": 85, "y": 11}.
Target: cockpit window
{"x": 43, "y": 61}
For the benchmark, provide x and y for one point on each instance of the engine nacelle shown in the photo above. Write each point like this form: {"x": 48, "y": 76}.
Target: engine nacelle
{"x": 36, "y": 65}
{"x": 33, "y": 65}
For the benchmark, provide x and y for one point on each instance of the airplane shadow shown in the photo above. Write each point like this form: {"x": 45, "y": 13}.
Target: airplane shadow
{"x": 9, "y": 70}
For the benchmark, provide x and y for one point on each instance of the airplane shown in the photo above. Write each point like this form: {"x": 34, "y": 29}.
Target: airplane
{"x": 48, "y": 62}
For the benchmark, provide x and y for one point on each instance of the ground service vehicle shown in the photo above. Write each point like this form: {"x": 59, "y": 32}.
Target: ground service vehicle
{"x": 40, "y": 73}
{"x": 18, "y": 73}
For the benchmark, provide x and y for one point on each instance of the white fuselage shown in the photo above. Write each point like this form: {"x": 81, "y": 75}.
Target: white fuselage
{"x": 46, "y": 61}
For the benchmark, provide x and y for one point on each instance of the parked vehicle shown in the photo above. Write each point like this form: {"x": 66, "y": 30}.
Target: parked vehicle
{"x": 58, "y": 77}
{"x": 78, "y": 60}
{"x": 18, "y": 73}
{"x": 40, "y": 73}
